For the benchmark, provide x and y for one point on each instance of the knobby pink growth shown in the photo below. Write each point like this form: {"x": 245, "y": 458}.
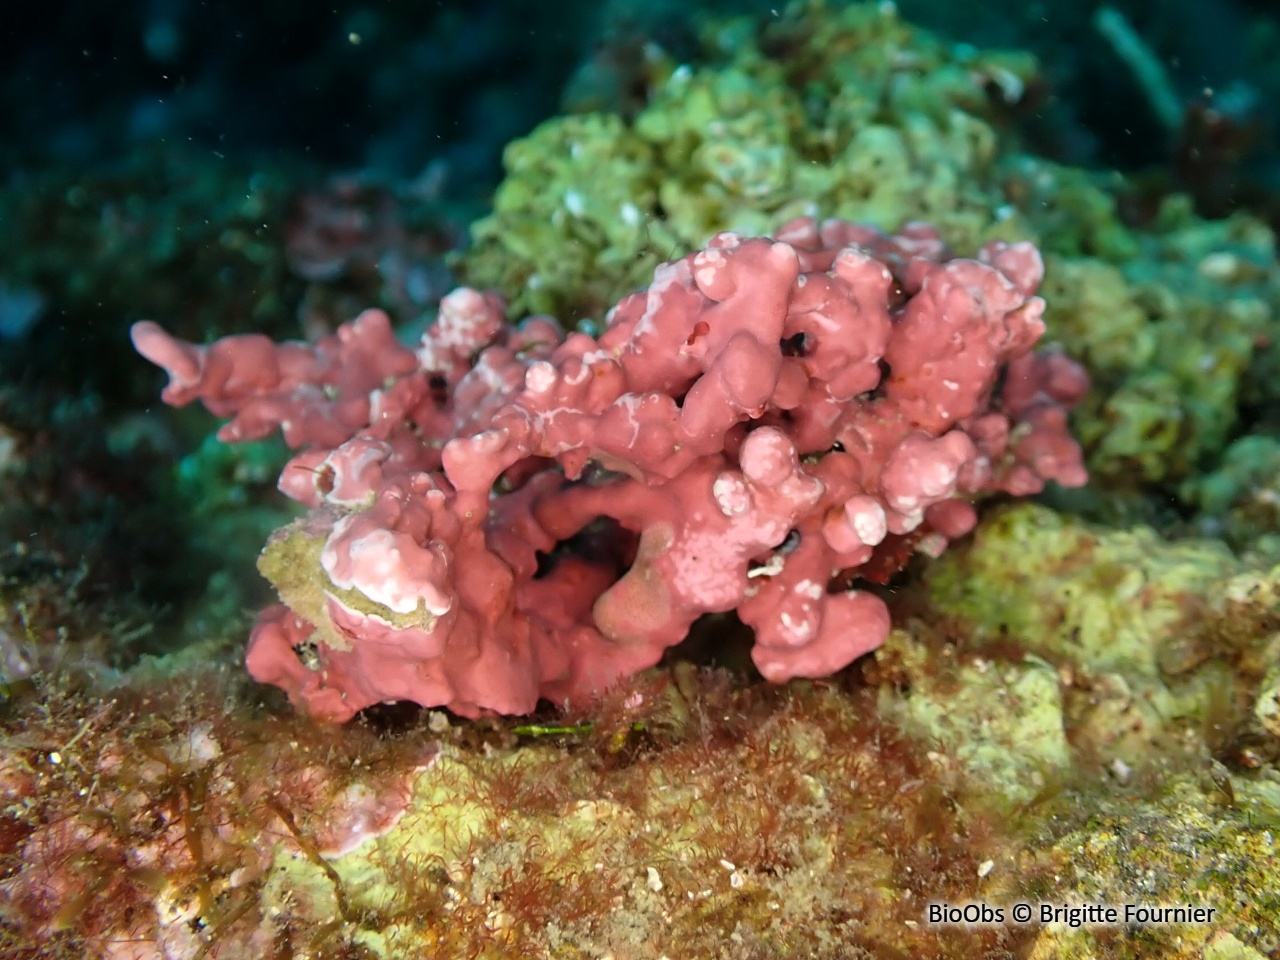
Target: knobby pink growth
{"x": 508, "y": 513}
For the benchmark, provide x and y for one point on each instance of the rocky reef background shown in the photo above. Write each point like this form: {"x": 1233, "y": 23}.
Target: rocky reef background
{"x": 1080, "y": 704}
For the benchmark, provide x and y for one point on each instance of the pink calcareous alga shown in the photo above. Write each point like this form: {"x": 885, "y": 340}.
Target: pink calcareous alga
{"x": 507, "y": 513}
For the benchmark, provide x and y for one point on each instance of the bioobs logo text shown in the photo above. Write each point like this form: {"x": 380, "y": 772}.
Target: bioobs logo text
{"x": 971, "y": 914}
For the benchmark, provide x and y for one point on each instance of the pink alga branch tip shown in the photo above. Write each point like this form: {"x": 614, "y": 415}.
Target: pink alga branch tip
{"x": 507, "y": 513}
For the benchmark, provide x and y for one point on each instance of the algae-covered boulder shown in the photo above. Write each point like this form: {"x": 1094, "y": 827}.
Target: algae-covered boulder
{"x": 1152, "y": 638}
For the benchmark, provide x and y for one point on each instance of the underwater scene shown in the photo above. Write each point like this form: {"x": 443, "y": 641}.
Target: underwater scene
{"x": 757, "y": 480}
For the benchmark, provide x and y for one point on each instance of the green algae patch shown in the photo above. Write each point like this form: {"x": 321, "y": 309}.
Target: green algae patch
{"x": 1000, "y": 722}
{"x": 291, "y": 561}
{"x": 854, "y": 113}
{"x": 591, "y": 203}
{"x": 1239, "y": 499}
{"x": 1154, "y": 640}
{"x": 1072, "y": 592}
{"x": 1199, "y": 843}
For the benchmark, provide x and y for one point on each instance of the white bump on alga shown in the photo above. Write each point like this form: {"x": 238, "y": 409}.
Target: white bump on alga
{"x": 796, "y": 632}
{"x": 809, "y": 588}
{"x": 540, "y": 377}
{"x": 938, "y": 479}
{"x": 904, "y": 503}
{"x": 731, "y": 495}
{"x": 706, "y": 265}
{"x": 867, "y": 518}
